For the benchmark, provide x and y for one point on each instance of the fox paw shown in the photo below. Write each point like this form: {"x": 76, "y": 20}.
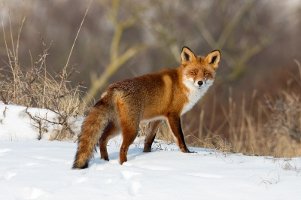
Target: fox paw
{"x": 187, "y": 151}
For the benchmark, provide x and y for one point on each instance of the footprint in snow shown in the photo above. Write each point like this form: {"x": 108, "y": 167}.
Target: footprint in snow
{"x": 128, "y": 174}
{"x": 134, "y": 185}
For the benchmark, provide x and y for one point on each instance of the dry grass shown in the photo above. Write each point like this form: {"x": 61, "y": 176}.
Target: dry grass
{"x": 36, "y": 87}
{"x": 270, "y": 127}
{"x": 269, "y": 131}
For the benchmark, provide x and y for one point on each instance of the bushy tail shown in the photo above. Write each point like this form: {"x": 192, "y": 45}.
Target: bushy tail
{"x": 92, "y": 128}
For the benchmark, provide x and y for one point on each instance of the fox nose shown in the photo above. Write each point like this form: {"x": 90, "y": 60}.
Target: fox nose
{"x": 200, "y": 83}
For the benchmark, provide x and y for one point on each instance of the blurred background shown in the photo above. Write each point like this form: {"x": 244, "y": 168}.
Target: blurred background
{"x": 254, "y": 106}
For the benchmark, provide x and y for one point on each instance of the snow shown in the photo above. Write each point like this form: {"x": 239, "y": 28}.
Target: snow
{"x": 41, "y": 169}
{"x": 17, "y": 124}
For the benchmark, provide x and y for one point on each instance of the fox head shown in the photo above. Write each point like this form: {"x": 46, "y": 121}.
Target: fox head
{"x": 198, "y": 71}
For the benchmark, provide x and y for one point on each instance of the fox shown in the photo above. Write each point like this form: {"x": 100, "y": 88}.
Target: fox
{"x": 165, "y": 95}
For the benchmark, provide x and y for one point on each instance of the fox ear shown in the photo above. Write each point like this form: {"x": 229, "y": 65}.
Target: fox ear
{"x": 187, "y": 55}
{"x": 213, "y": 58}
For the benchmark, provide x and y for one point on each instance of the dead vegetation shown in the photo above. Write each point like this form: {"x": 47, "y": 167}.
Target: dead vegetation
{"x": 34, "y": 86}
{"x": 269, "y": 125}
{"x": 269, "y": 131}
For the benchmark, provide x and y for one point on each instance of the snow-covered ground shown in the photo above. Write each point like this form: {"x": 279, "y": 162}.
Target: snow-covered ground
{"x": 32, "y": 169}
{"x": 18, "y": 123}
{"x": 42, "y": 170}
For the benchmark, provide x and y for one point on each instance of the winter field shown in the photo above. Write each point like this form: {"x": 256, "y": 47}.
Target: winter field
{"x": 41, "y": 169}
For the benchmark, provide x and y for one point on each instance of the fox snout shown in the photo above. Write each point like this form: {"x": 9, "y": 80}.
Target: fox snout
{"x": 200, "y": 83}
{"x": 194, "y": 83}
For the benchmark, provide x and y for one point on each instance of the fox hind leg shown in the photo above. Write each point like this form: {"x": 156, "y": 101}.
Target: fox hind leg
{"x": 150, "y": 137}
{"x": 129, "y": 123}
{"x": 128, "y": 139}
{"x": 109, "y": 132}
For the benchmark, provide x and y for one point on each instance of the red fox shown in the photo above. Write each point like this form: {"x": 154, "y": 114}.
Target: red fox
{"x": 164, "y": 95}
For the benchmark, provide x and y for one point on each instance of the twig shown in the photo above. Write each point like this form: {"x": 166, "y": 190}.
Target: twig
{"x": 75, "y": 39}
{"x": 38, "y": 121}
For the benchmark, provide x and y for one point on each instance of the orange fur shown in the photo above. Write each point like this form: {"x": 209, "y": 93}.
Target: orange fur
{"x": 167, "y": 94}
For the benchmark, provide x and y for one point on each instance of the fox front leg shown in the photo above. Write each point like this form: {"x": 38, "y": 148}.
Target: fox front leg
{"x": 175, "y": 126}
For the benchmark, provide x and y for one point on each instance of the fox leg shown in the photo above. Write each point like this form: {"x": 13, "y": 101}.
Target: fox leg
{"x": 174, "y": 122}
{"x": 129, "y": 123}
{"x": 129, "y": 132}
{"x": 149, "y": 138}
{"x": 109, "y": 132}
{"x": 128, "y": 139}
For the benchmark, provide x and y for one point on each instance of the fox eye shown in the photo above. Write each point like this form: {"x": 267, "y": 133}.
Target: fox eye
{"x": 207, "y": 75}
{"x": 193, "y": 72}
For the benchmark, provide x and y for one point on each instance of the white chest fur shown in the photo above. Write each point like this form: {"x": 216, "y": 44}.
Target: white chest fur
{"x": 194, "y": 93}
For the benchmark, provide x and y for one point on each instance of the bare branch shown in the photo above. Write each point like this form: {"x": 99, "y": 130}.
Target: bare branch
{"x": 110, "y": 70}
